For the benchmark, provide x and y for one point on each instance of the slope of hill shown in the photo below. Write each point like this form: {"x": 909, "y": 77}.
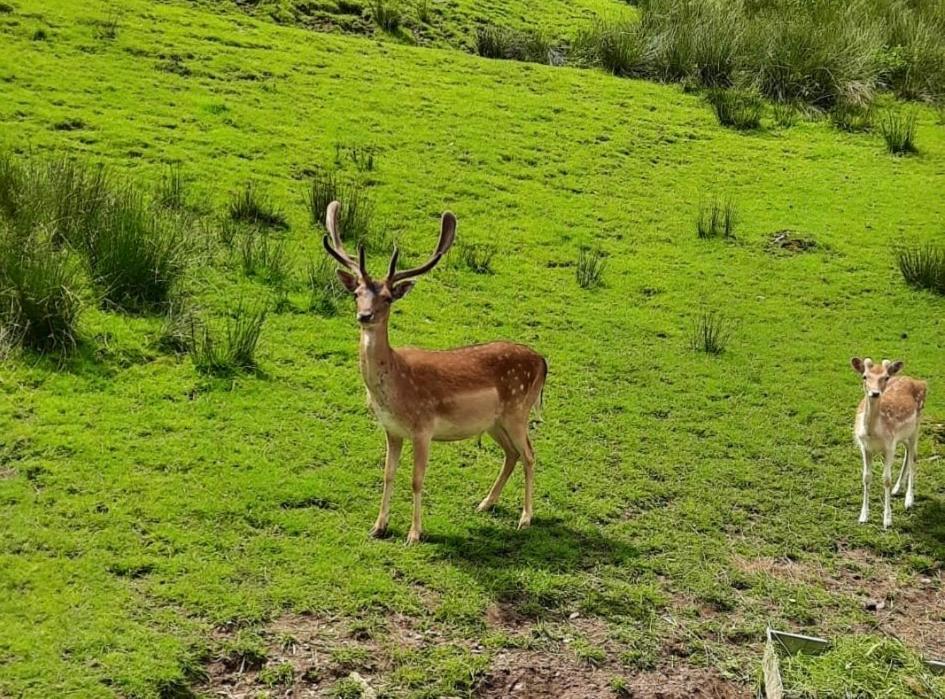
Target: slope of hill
{"x": 159, "y": 525}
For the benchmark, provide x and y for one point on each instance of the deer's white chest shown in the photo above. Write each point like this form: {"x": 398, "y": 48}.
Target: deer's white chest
{"x": 386, "y": 416}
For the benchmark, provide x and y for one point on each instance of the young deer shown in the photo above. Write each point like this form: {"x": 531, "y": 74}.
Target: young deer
{"x": 889, "y": 414}
{"x": 427, "y": 396}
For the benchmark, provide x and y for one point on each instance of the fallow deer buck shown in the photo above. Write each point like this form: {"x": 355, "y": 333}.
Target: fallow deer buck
{"x": 424, "y": 395}
{"x": 889, "y": 414}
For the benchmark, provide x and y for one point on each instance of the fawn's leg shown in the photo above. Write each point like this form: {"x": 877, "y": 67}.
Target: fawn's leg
{"x": 890, "y": 456}
{"x": 865, "y": 509}
{"x": 511, "y": 456}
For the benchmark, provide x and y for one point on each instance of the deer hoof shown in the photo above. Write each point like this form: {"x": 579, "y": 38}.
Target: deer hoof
{"x": 864, "y": 517}
{"x": 484, "y": 506}
{"x": 413, "y": 538}
{"x": 378, "y": 531}
{"x": 524, "y": 522}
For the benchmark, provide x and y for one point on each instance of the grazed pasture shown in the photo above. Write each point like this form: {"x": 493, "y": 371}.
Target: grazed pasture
{"x": 166, "y": 531}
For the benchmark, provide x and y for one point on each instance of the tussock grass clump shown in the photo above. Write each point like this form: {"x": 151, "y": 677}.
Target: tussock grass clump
{"x": 785, "y": 114}
{"x": 898, "y": 131}
{"x": 263, "y": 256}
{"x": 739, "y": 109}
{"x": 616, "y": 45}
{"x": 176, "y": 330}
{"x": 424, "y": 11}
{"x": 590, "y": 268}
{"x": 386, "y": 14}
{"x": 710, "y": 333}
{"x": 172, "y": 189}
{"x": 716, "y": 220}
{"x": 355, "y": 214}
{"x": 249, "y": 205}
{"x": 134, "y": 254}
{"x": 852, "y": 117}
{"x": 234, "y": 349}
{"x": 510, "y": 44}
{"x": 39, "y": 305}
{"x": 923, "y": 267}
{"x": 324, "y": 288}
{"x": 476, "y": 257}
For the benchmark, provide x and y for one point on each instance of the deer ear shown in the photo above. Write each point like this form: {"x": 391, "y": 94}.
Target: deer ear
{"x": 893, "y": 367}
{"x": 400, "y": 290}
{"x": 349, "y": 281}
{"x": 857, "y": 365}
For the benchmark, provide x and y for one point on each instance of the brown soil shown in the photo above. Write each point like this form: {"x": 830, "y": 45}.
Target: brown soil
{"x": 910, "y": 607}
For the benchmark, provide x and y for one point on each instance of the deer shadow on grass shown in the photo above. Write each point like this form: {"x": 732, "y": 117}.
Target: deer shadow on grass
{"x": 535, "y": 570}
{"x": 927, "y": 527}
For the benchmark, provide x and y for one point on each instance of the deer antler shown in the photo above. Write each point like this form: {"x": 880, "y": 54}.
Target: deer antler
{"x": 335, "y": 248}
{"x": 447, "y": 235}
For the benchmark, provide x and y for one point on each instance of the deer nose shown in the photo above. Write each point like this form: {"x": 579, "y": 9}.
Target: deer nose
{"x": 365, "y": 316}
{"x": 874, "y": 394}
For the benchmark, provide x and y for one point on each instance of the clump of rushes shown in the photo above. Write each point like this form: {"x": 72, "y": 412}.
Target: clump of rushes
{"x": 590, "y": 268}
{"x": 899, "y": 132}
{"x": 510, "y": 44}
{"x": 324, "y": 288}
{"x": 234, "y": 350}
{"x": 39, "y": 305}
{"x": 710, "y": 333}
{"x": 386, "y": 14}
{"x": 172, "y": 189}
{"x": 716, "y": 220}
{"x": 355, "y": 215}
{"x": 923, "y": 267}
{"x": 616, "y": 45}
{"x": 736, "y": 108}
{"x": 852, "y": 116}
{"x": 477, "y": 257}
{"x": 263, "y": 256}
{"x": 249, "y": 205}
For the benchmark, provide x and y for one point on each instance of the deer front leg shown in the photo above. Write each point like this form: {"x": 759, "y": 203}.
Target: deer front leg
{"x": 421, "y": 453}
{"x": 890, "y": 456}
{"x": 394, "y": 446}
{"x": 865, "y": 509}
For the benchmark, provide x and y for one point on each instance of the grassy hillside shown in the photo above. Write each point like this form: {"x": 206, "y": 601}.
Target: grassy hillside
{"x": 447, "y": 23}
{"x": 158, "y": 524}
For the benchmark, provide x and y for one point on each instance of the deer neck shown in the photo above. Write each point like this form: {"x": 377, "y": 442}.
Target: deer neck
{"x": 376, "y": 358}
{"x": 871, "y": 414}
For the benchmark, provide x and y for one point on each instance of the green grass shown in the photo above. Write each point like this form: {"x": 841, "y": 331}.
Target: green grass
{"x": 151, "y": 512}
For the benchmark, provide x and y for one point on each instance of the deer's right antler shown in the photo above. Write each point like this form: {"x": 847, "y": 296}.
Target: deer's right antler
{"x": 447, "y": 236}
{"x": 336, "y": 249}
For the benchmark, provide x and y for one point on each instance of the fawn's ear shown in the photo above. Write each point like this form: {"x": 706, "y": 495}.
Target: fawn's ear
{"x": 400, "y": 290}
{"x": 857, "y": 365}
{"x": 892, "y": 367}
{"x": 349, "y": 281}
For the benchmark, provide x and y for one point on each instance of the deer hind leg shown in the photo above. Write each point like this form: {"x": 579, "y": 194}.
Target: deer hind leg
{"x": 903, "y": 471}
{"x": 394, "y": 446}
{"x": 499, "y": 434}
{"x": 911, "y": 447}
{"x": 518, "y": 433}
{"x": 421, "y": 453}
{"x": 888, "y": 459}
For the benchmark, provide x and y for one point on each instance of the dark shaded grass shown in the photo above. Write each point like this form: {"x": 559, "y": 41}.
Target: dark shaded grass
{"x": 616, "y": 45}
{"x": 852, "y": 117}
{"x": 250, "y": 205}
{"x": 923, "y": 267}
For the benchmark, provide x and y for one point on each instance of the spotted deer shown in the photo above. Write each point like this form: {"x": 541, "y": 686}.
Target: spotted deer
{"x": 423, "y": 395}
{"x": 889, "y": 414}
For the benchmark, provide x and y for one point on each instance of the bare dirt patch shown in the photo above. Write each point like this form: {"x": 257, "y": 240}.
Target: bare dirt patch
{"x": 910, "y": 607}
{"x": 788, "y": 241}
